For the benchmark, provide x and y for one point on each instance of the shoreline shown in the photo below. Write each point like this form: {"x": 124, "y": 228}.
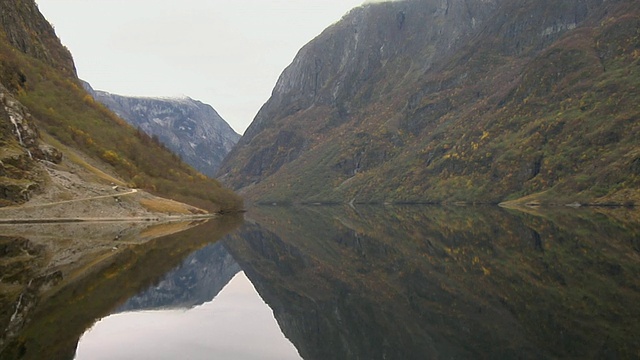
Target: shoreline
{"x": 169, "y": 218}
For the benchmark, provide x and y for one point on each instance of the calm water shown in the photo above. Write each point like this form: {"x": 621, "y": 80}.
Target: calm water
{"x": 344, "y": 283}
{"x": 236, "y": 324}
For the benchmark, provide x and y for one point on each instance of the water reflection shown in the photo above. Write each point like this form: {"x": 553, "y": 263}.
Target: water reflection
{"x": 430, "y": 282}
{"x": 237, "y": 324}
{"x": 197, "y": 280}
{"x": 204, "y": 306}
{"x": 44, "y": 313}
{"x": 370, "y": 283}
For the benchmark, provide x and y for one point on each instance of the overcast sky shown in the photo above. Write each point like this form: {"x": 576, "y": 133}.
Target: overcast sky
{"x": 227, "y": 53}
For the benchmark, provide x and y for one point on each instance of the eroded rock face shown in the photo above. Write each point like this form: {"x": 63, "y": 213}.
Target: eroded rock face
{"x": 18, "y": 120}
{"x": 333, "y": 68}
{"x": 20, "y": 148}
{"x": 49, "y": 153}
{"x": 16, "y": 162}
{"x": 28, "y": 31}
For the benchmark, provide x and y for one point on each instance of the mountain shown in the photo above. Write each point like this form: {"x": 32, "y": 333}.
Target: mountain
{"x": 44, "y": 104}
{"x": 189, "y": 128}
{"x": 454, "y": 101}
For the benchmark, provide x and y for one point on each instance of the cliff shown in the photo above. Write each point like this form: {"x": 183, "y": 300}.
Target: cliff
{"x": 454, "y": 100}
{"x": 27, "y": 30}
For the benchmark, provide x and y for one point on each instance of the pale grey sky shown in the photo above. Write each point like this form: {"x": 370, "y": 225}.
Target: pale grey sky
{"x": 227, "y": 53}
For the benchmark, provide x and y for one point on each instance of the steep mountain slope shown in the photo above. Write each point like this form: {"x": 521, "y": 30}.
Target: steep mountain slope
{"x": 44, "y": 98}
{"x": 456, "y": 100}
{"x": 189, "y": 128}
{"x": 28, "y": 31}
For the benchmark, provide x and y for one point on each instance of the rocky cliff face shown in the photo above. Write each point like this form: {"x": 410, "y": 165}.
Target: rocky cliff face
{"x": 334, "y": 68}
{"x": 451, "y": 100}
{"x": 20, "y": 148}
{"x": 27, "y": 30}
{"x": 191, "y": 129}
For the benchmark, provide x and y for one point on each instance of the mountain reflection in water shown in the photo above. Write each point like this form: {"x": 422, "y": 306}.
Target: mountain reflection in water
{"x": 204, "y": 306}
{"x": 433, "y": 282}
{"x": 414, "y": 282}
{"x": 57, "y": 280}
{"x": 196, "y": 281}
{"x": 237, "y": 324}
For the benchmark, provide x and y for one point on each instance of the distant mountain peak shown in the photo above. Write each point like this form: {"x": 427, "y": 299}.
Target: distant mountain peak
{"x": 190, "y": 128}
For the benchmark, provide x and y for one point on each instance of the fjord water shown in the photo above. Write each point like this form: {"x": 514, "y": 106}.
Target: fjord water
{"x": 237, "y": 324}
{"x": 205, "y": 307}
{"x": 388, "y": 282}
{"x": 461, "y": 283}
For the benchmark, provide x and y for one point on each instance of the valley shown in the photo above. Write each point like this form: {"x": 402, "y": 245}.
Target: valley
{"x": 456, "y": 178}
